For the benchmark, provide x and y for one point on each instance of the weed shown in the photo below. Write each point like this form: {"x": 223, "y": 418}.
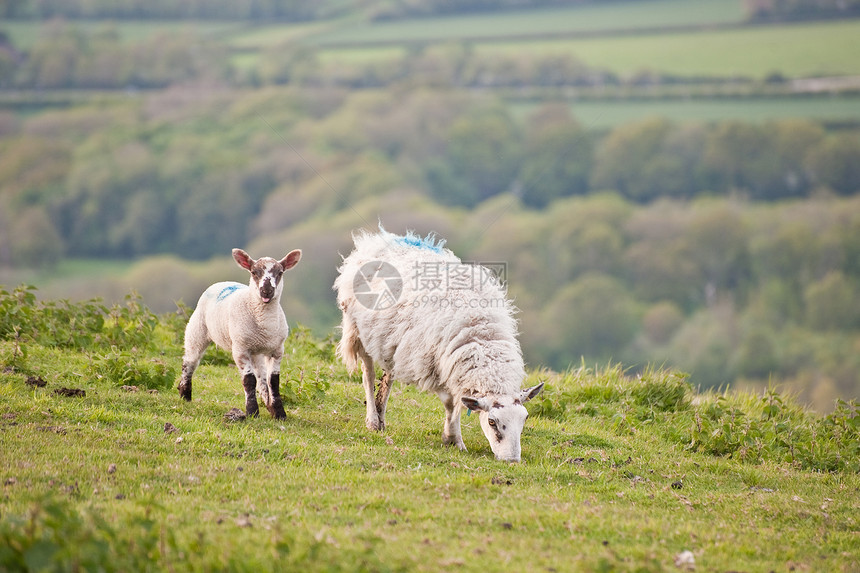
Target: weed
{"x": 123, "y": 368}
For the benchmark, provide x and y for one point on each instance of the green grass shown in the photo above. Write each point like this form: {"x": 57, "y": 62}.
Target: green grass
{"x": 794, "y": 50}
{"x": 615, "y": 476}
{"x": 592, "y": 18}
{"x": 608, "y": 113}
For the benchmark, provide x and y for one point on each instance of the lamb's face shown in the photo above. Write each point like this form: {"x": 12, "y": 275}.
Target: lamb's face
{"x": 266, "y": 274}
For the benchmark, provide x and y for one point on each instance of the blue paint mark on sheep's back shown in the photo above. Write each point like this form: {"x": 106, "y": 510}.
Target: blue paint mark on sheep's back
{"x": 430, "y": 242}
{"x": 228, "y": 290}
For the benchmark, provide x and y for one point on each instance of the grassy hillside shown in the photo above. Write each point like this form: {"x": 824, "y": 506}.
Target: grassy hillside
{"x": 618, "y": 474}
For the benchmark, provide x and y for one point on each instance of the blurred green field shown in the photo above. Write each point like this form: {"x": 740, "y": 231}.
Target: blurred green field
{"x": 265, "y": 36}
{"x": 593, "y": 18}
{"x": 597, "y": 18}
{"x": 608, "y": 114}
{"x": 818, "y": 49}
{"x": 793, "y": 50}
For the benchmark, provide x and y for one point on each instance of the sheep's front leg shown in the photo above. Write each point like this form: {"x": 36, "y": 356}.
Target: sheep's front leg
{"x": 451, "y": 435}
{"x": 249, "y": 382}
{"x": 275, "y": 404}
{"x": 368, "y": 378}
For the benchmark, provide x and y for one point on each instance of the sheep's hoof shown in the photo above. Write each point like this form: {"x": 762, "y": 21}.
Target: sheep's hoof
{"x": 277, "y": 409}
{"x": 185, "y": 391}
{"x": 252, "y": 410}
{"x": 454, "y": 441}
{"x": 375, "y": 425}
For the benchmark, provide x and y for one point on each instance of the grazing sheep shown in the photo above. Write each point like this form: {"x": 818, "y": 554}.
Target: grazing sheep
{"x": 428, "y": 319}
{"x": 247, "y": 321}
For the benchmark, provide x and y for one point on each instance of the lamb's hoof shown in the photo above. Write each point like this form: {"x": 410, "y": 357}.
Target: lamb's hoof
{"x": 277, "y": 409}
{"x": 375, "y": 425}
{"x": 252, "y": 410}
{"x": 185, "y": 392}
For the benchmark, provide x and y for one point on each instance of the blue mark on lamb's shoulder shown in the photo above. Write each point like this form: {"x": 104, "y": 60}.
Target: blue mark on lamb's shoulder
{"x": 228, "y": 290}
{"x": 430, "y": 242}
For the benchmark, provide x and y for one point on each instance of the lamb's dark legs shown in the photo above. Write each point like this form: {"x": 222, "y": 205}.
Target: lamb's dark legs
{"x": 276, "y": 408}
{"x": 185, "y": 382}
{"x": 249, "y": 381}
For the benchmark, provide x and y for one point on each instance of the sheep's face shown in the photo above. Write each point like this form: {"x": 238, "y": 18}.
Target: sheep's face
{"x": 266, "y": 272}
{"x": 502, "y": 420}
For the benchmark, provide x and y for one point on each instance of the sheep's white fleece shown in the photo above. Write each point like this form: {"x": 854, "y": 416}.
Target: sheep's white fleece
{"x": 464, "y": 346}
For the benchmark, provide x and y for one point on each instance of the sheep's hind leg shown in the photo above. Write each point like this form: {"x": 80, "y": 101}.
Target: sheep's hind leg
{"x": 368, "y": 378}
{"x": 382, "y": 397}
{"x": 196, "y": 341}
{"x": 190, "y": 361}
{"x": 185, "y": 381}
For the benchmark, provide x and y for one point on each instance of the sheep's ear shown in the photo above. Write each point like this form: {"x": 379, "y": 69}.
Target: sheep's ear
{"x": 475, "y": 403}
{"x": 291, "y": 260}
{"x": 530, "y": 393}
{"x": 244, "y": 259}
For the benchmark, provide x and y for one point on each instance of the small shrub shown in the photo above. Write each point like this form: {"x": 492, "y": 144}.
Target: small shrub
{"x": 304, "y": 344}
{"x": 130, "y": 325}
{"x": 121, "y": 368}
{"x": 175, "y": 322}
{"x": 74, "y": 325}
{"x": 301, "y": 386}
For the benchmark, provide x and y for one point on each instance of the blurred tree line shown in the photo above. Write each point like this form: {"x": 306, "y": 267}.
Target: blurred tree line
{"x": 113, "y": 183}
{"x": 800, "y": 9}
{"x": 295, "y": 10}
{"x": 69, "y": 57}
{"x": 729, "y": 249}
{"x": 168, "y": 9}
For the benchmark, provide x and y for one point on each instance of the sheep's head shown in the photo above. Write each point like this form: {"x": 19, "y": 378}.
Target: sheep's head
{"x": 502, "y": 419}
{"x": 266, "y": 272}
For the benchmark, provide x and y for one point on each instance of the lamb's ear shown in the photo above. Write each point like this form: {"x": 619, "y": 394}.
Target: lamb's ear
{"x": 475, "y": 403}
{"x": 291, "y": 260}
{"x": 244, "y": 259}
{"x": 530, "y": 393}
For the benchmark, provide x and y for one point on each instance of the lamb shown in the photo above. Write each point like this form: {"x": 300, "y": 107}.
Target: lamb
{"x": 247, "y": 321}
{"x": 426, "y": 318}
